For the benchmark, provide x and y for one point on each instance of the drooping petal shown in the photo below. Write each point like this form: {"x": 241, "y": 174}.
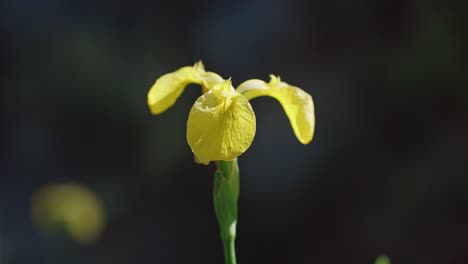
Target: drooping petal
{"x": 165, "y": 91}
{"x": 297, "y": 103}
{"x": 221, "y": 124}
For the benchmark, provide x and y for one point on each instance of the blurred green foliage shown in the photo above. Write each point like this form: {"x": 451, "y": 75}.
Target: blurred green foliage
{"x": 382, "y": 259}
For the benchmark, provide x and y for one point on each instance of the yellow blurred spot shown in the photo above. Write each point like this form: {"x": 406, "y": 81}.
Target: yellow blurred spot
{"x": 68, "y": 206}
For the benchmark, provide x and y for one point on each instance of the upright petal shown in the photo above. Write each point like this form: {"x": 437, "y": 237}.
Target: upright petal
{"x": 297, "y": 103}
{"x": 221, "y": 124}
{"x": 168, "y": 87}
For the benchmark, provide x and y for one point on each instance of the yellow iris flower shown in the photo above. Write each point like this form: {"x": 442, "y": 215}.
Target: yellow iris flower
{"x": 221, "y": 124}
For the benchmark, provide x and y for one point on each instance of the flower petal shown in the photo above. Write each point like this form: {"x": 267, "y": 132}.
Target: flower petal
{"x": 297, "y": 103}
{"x": 168, "y": 87}
{"x": 221, "y": 124}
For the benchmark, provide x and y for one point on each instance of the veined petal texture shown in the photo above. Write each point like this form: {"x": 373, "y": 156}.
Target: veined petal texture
{"x": 221, "y": 124}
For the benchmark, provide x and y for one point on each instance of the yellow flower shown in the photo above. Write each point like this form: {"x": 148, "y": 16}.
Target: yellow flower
{"x": 221, "y": 123}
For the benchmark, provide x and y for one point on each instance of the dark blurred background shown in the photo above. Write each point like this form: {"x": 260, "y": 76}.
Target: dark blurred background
{"x": 387, "y": 171}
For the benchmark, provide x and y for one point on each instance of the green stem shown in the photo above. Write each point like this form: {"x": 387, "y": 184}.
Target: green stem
{"x": 229, "y": 251}
{"x": 225, "y": 196}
